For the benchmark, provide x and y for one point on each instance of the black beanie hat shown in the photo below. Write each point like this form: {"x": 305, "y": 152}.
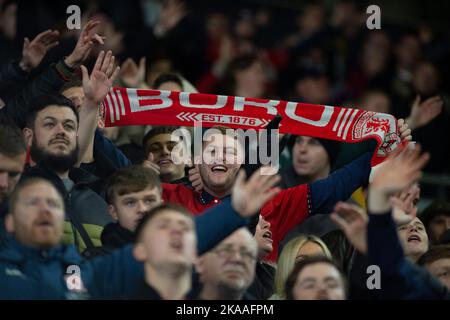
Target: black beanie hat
{"x": 330, "y": 146}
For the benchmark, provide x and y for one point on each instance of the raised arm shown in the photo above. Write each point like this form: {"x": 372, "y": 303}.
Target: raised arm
{"x": 340, "y": 185}
{"x": 54, "y": 77}
{"x": 247, "y": 198}
{"x": 14, "y": 74}
{"x": 400, "y": 278}
{"x": 95, "y": 86}
{"x": 117, "y": 275}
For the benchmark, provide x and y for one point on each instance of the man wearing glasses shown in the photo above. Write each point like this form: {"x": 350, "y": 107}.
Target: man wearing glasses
{"x": 228, "y": 270}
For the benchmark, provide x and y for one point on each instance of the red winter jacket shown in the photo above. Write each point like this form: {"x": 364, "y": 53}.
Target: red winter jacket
{"x": 283, "y": 212}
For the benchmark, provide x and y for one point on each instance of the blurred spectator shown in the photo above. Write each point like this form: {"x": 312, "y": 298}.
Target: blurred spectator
{"x": 218, "y": 31}
{"x": 181, "y": 38}
{"x": 312, "y": 160}
{"x": 408, "y": 53}
{"x": 297, "y": 249}
{"x": 312, "y": 86}
{"x": 52, "y": 125}
{"x": 12, "y": 159}
{"x": 425, "y": 79}
{"x": 351, "y": 254}
{"x": 228, "y": 270}
{"x": 376, "y": 101}
{"x": 316, "y": 278}
{"x": 401, "y": 278}
{"x": 161, "y": 151}
{"x": 414, "y": 239}
{"x": 166, "y": 243}
{"x": 373, "y": 66}
{"x": 12, "y": 162}
{"x": 130, "y": 193}
{"x": 158, "y": 67}
{"x": 109, "y": 31}
{"x": 8, "y": 31}
{"x": 263, "y": 284}
{"x": 436, "y": 218}
{"x": 437, "y": 262}
{"x": 33, "y": 249}
{"x": 246, "y": 77}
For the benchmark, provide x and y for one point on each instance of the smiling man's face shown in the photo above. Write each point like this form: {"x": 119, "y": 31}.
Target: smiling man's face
{"x": 222, "y": 158}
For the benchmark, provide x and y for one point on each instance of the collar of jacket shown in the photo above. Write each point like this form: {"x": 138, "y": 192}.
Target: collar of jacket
{"x": 290, "y": 178}
{"x": 115, "y": 235}
{"x": 77, "y": 175}
{"x": 146, "y": 292}
{"x": 206, "y": 198}
{"x": 14, "y": 251}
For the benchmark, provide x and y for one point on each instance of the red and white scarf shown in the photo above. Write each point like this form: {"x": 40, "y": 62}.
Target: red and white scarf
{"x": 125, "y": 107}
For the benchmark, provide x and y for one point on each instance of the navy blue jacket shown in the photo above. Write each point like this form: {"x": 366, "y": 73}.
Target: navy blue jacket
{"x": 400, "y": 278}
{"x": 27, "y": 273}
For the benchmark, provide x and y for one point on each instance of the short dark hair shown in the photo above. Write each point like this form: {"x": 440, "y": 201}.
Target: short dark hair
{"x": 14, "y": 198}
{"x": 152, "y": 213}
{"x": 435, "y": 253}
{"x": 300, "y": 265}
{"x": 239, "y": 63}
{"x": 436, "y": 208}
{"x": 131, "y": 179}
{"x": 75, "y": 83}
{"x": 42, "y": 102}
{"x": 157, "y": 130}
{"x": 12, "y": 142}
{"x": 167, "y": 77}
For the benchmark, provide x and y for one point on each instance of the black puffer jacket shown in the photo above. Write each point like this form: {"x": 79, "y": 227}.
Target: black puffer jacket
{"x": 12, "y": 79}
{"x": 114, "y": 236}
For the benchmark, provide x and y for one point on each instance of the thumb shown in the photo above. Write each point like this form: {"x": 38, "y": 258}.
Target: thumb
{"x": 26, "y": 42}
{"x": 126, "y": 65}
{"x": 85, "y": 74}
{"x": 416, "y": 101}
{"x": 142, "y": 63}
{"x": 341, "y": 222}
{"x": 240, "y": 178}
{"x": 151, "y": 157}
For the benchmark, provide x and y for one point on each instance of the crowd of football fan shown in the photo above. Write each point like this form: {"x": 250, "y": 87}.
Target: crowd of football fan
{"x": 89, "y": 212}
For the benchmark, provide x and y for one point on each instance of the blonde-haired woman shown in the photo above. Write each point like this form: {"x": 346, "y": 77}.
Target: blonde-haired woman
{"x": 296, "y": 249}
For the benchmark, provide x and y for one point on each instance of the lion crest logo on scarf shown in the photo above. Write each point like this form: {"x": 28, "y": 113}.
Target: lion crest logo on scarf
{"x": 371, "y": 124}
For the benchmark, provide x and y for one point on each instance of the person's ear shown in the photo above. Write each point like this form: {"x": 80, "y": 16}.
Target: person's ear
{"x": 28, "y": 135}
{"x": 139, "y": 252}
{"x": 113, "y": 212}
{"x": 200, "y": 264}
{"x": 9, "y": 223}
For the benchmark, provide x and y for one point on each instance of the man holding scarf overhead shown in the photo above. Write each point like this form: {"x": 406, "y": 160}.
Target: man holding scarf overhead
{"x": 291, "y": 206}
